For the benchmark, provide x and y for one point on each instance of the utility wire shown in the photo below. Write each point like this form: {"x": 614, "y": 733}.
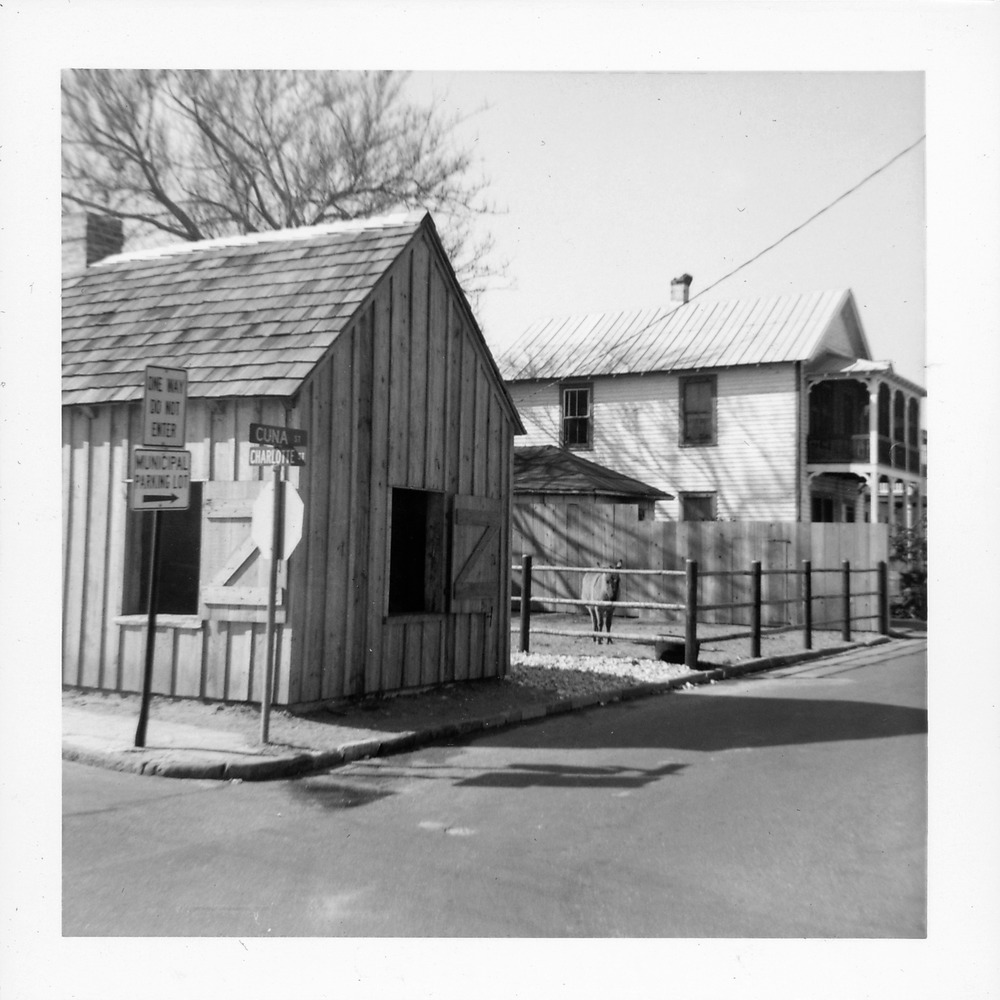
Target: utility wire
{"x": 812, "y": 218}
{"x": 815, "y": 216}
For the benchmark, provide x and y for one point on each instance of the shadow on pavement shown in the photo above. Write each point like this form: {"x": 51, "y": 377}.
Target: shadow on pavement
{"x": 557, "y": 776}
{"x": 712, "y": 724}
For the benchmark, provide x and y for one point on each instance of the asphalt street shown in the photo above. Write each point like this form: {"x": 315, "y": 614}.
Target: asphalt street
{"x": 785, "y": 804}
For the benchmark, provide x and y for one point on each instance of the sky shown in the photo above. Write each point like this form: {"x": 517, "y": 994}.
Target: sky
{"x": 610, "y": 184}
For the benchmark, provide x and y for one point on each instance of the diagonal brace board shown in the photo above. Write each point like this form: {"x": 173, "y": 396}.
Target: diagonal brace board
{"x": 481, "y": 546}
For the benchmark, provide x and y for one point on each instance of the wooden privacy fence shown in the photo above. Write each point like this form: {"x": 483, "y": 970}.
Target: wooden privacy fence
{"x": 561, "y": 536}
{"x": 691, "y": 608}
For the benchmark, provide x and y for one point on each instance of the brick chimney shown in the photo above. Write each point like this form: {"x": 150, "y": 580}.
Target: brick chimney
{"x": 680, "y": 287}
{"x": 89, "y": 238}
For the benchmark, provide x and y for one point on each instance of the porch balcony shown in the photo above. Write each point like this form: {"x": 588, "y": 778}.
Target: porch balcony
{"x": 839, "y": 449}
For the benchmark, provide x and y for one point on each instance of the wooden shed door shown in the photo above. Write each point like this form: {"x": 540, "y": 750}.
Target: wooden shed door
{"x": 233, "y": 574}
{"x": 475, "y": 554}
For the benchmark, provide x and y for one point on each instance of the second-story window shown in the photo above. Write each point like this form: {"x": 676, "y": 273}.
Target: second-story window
{"x": 577, "y": 416}
{"x": 697, "y": 409}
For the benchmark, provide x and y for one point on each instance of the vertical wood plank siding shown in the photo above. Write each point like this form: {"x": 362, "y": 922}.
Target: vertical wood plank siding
{"x": 103, "y": 647}
{"x": 411, "y": 405}
{"x": 405, "y": 397}
{"x": 752, "y": 466}
{"x": 382, "y": 424}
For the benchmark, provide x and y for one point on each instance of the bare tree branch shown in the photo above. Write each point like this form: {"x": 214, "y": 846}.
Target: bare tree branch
{"x": 196, "y": 154}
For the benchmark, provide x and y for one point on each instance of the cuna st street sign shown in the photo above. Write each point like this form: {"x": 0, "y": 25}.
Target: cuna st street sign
{"x": 272, "y": 445}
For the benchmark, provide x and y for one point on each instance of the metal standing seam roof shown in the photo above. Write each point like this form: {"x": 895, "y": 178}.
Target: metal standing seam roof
{"x": 678, "y": 336}
{"x": 245, "y": 315}
{"x": 547, "y": 469}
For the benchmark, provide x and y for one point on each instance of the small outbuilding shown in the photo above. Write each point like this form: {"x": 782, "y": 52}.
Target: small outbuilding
{"x": 358, "y": 334}
{"x": 569, "y": 511}
{"x": 547, "y": 474}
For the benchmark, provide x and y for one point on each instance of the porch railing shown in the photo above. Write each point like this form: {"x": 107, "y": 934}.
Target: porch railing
{"x": 841, "y": 448}
{"x": 856, "y": 448}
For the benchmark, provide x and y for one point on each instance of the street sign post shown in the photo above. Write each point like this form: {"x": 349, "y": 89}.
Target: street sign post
{"x": 278, "y": 447}
{"x": 161, "y": 479}
{"x": 164, "y": 407}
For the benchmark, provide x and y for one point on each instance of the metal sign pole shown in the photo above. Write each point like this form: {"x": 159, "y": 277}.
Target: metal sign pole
{"x": 272, "y": 593}
{"x": 153, "y": 597}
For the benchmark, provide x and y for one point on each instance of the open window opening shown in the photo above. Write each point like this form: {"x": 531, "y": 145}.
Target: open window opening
{"x": 417, "y": 552}
{"x": 180, "y": 555}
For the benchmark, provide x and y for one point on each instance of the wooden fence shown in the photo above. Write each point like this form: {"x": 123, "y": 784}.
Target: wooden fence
{"x": 577, "y": 535}
{"x": 869, "y": 583}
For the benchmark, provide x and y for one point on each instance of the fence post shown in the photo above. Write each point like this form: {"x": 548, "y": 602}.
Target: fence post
{"x": 883, "y": 597}
{"x": 755, "y": 592}
{"x": 525, "y": 602}
{"x": 845, "y": 629}
{"x": 807, "y": 600}
{"x": 691, "y": 616}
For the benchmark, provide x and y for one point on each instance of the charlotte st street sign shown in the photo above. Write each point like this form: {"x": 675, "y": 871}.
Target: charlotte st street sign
{"x": 272, "y": 445}
{"x": 161, "y": 479}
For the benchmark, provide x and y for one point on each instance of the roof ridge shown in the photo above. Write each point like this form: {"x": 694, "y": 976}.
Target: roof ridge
{"x": 703, "y": 333}
{"x": 396, "y": 219}
{"x": 668, "y": 308}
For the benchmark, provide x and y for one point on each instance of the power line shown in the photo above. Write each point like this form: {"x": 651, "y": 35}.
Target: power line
{"x": 816, "y": 215}
{"x": 812, "y": 218}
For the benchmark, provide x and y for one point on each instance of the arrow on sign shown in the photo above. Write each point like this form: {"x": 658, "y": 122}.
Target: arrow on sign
{"x": 159, "y": 497}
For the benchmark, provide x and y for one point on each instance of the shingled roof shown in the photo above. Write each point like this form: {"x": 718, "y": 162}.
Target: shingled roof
{"x": 678, "y": 336}
{"x": 245, "y": 315}
{"x": 547, "y": 469}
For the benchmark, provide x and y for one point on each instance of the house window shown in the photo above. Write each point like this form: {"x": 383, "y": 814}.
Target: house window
{"x": 698, "y": 506}
{"x": 577, "y": 418}
{"x": 180, "y": 555}
{"x": 698, "y": 409}
{"x": 417, "y": 552}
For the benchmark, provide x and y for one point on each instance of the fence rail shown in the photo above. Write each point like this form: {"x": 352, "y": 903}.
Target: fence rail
{"x": 691, "y": 607}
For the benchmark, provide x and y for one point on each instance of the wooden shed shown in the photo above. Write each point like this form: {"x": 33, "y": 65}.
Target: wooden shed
{"x": 550, "y": 475}
{"x": 358, "y": 334}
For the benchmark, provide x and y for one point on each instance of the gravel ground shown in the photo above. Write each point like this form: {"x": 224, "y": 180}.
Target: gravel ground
{"x": 633, "y": 639}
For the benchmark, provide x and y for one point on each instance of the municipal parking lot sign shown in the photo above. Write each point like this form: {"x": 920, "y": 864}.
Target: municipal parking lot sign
{"x": 161, "y": 479}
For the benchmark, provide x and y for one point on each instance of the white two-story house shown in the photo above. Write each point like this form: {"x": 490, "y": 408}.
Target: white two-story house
{"x": 766, "y": 409}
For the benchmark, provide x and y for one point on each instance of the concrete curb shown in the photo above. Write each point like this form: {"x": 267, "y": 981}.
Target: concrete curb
{"x": 295, "y": 765}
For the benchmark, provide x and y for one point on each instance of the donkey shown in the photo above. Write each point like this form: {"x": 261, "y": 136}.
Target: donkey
{"x": 602, "y": 587}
